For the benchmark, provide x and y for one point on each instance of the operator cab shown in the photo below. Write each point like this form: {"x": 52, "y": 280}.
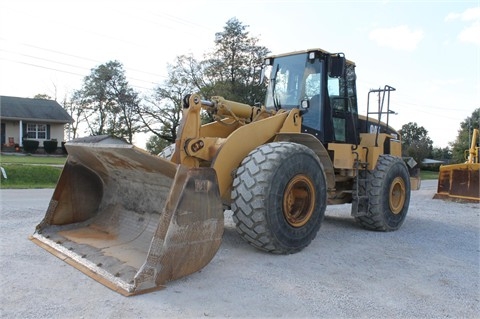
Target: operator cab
{"x": 322, "y": 86}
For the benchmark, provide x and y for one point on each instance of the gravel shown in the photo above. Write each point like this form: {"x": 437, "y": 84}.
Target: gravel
{"x": 427, "y": 269}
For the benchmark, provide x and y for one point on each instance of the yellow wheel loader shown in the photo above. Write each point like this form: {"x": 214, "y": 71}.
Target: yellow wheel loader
{"x": 134, "y": 221}
{"x": 461, "y": 182}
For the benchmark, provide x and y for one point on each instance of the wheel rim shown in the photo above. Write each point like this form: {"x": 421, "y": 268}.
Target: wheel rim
{"x": 397, "y": 195}
{"x": 298, "y": 201}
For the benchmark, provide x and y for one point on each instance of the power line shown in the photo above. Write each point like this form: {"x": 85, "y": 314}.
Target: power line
{"x": 88, "y": 59}
{"x": 400, "y": 97}
{"x": 71, "y": 55}
{"x": 129, "y": 15}
{"x": 41, "y": 66}
{"x": 68, "y": 72}
{"x": 191, "y": 26}
{"x": 70, "y": 65}
{"x": 43, "y": 59}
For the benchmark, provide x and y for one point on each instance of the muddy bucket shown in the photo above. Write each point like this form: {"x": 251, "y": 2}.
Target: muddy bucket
{"x": 130, "y": 220}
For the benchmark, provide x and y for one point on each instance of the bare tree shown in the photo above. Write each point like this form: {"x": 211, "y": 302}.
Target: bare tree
{"x": 76, "y": 112}
{"x": 161, "y": 112}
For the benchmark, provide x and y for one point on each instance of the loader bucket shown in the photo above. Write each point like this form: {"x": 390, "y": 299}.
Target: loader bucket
{"x": 459, "y": 182}
{"x": 130, "y": 220}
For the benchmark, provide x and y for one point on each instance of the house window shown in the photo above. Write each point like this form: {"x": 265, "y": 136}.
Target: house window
{"x": 37, "y": 131}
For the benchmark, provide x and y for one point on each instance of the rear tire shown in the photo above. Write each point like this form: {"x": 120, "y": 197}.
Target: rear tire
{"x": 388, "y": 191}
{"x": 279, "y": 197}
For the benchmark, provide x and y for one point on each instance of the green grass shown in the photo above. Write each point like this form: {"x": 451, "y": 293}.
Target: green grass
{"x": 26, "y": 171}
{"x": 30, "y": 176}
{"x": 424, "y": 175}
{"x": 29, "y": 159}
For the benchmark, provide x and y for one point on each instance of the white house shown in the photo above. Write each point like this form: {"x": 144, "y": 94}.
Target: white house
{"x": 35, "y": 119}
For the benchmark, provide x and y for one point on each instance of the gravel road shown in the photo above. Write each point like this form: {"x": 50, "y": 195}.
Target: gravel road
{"x": 427, "y": 269}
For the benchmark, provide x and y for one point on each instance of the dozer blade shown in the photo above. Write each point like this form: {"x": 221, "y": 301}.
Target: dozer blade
{"x": 459, "y": 182}
{"x": 130, "y": 220}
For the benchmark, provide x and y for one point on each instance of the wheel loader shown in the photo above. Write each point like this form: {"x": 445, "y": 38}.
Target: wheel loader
{"x": 461, "y": 182}
{"x": 134, "y": 221}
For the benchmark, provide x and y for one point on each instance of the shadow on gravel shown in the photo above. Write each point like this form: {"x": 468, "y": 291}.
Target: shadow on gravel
{"x": 338, "y": 221}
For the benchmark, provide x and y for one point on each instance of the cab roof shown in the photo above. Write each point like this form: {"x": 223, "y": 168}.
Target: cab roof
{"x": 306, "y": 51}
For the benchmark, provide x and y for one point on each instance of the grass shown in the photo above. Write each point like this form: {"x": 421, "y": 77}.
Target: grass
{"x": 29, "y": 159}
{"x": 425, "y": 175}
{"x": 27, "y": 171}
{"x": 30, "y": 176}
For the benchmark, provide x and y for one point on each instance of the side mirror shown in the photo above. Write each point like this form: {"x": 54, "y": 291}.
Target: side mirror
{"x": 304, "y": 104}
{"x": 337, "y": 65}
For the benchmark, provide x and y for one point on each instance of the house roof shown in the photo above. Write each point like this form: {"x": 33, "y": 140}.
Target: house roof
{"x": 18, "y": 108}
{"x": 427, "y": 161}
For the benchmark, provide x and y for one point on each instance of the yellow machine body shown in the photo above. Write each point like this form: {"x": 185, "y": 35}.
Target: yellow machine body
{"x": 461, "y": 182}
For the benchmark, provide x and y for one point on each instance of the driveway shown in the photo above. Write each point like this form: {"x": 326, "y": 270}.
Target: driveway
{"x": 429, "y": 269}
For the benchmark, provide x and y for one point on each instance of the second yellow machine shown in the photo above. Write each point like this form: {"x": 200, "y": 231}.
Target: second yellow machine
{"x": 134, "y": 221}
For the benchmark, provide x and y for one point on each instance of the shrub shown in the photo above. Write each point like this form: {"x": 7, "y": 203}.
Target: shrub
{"x": 50, "y": 146}
{"x": 30, "y": 146}
{"x": 64, "y": 149}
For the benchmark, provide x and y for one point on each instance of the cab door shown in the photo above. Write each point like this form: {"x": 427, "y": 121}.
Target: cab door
{"x": 341, "y": 109}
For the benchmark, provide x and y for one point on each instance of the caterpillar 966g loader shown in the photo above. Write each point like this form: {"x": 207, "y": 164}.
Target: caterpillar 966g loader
{"x": 134, "y": 221}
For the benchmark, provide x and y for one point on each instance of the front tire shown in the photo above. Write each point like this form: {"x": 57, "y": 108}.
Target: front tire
{"x": 279, "y": 197}
{"x": 388, "y": 191}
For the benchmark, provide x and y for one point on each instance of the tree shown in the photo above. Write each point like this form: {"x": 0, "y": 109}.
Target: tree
{"x": 42, "y": 97}
{"x": 161, "y": 112}
{"x": 155, "y": 144}
{"x": 108, "y": 103}
{"x": 442, "y": 154}
{"x": 415, "y": 142}
{"x": 232, "y": 69}
{"x": 128, "y": 121}
{"x": 463, "y": 140}
{"x": 76, "y": 112}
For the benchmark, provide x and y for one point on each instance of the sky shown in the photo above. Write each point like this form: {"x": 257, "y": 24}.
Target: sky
{"x": 429, "y": 51}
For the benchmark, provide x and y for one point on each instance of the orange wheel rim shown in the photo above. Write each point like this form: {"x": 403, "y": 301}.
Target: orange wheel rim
{"x": 299, "y": 201}
{"x": 397, "y": 195}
